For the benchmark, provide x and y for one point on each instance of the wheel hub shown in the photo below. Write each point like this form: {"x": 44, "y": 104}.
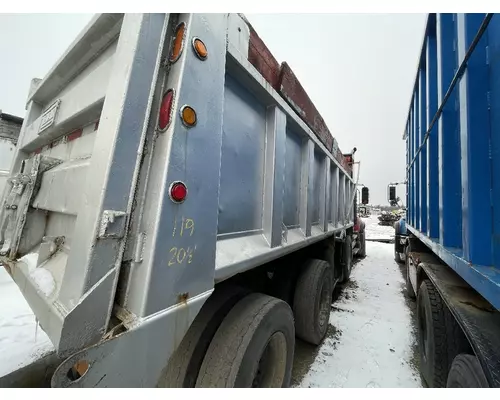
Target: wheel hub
{"x": 272, "y": 363}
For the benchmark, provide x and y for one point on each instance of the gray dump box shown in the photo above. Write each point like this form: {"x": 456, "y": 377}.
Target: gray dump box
{"x": 157, "y": 161}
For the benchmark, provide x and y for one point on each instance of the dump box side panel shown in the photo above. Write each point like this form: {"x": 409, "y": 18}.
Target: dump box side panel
{"x": 281, "y": 186}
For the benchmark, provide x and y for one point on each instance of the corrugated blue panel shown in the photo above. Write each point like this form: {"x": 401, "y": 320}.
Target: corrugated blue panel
{"x": 450, "y": 186}
{"x": 461, "y": 86}
{"x": 416, "y": 172}
{"x": 413, "y": 130}
{"x": 407, "y": 175}
{"x": 409, "y": 142}
{"x": 494, "y": 60}
{"x": 432, "y": 142}
{"x": 474, "y": 139}
{"x": 422, "y": 157}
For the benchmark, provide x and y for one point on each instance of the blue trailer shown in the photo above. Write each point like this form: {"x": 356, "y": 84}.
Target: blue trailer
{"x": 451, "y": 234}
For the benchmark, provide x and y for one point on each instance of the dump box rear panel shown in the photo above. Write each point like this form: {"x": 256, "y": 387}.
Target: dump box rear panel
{"x": 453, "y": 147}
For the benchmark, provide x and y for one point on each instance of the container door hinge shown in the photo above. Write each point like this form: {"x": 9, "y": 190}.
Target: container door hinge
{"x": 139, "y": 247}
{"x": 18, "y": 196}
{"x": 113, "y": 224}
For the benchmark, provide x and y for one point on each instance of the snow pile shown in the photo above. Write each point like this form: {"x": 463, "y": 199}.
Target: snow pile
{"x": 40, "y": 276}
{"x": 21, "y": 340}
{"x": 372, "y": 340}
{"x": 374, "y": 231}
{"x": 44, "y": 280}
{"x": 30, "y": 260}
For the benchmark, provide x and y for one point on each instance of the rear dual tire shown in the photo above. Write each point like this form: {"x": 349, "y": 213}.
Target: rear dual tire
{"x": 440, "y": 340}
{"x": 184, "y": 365}
{"x": 409, "y": 288}
{"x": 253, "y": 347}
{"x": 362, "y": 244}
{"x": 252, "y": 341}
{"x": 346, "y": 262}
{"x": 466, "y": 372}
{"x": 312, "y": 301}
{"x": 397, "y": 256}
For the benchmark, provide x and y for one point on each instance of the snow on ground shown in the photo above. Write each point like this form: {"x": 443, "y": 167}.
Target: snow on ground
{"x": 371, "y": 341}
{"x": 21, "y": 340}
{"x": 374, "y": 231}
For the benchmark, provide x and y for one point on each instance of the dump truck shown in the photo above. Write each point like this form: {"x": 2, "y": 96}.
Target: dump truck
{"x": 450, "y": 233}
{"x": 177, "y": 210}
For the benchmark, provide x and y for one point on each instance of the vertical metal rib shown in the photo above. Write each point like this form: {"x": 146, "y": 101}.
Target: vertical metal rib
{"x": 274, "y": 175}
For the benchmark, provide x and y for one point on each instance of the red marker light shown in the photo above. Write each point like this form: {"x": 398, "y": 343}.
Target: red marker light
{"x": 178, "y": 192}
{"x": 166, "y": 110}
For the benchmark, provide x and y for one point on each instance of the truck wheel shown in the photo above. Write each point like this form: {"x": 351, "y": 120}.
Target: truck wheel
{"x": 397, "y": 256}
{"x": 253, "y": 346}
{"x": 362, "y": 244}
{"x": 184, "y": 365}
{"x": 313, "y": 301}
{"x": 331, "y": 255}
{"x": 466, "y": 372}
{"x": 432, "y": 336}
{"x": 409, "y": 288}
{"x": 346, "y": 259}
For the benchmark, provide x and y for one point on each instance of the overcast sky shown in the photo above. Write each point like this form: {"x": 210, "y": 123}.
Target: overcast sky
{"x": 358, "y": 69}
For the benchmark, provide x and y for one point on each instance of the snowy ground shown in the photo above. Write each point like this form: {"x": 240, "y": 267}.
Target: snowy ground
{"x": 374, "y": 231}
{"x": 371, "y": 341}
{"x": 21, "y": 340}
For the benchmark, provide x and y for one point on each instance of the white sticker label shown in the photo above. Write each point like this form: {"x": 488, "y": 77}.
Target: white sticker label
{"x": 49, "y": 116}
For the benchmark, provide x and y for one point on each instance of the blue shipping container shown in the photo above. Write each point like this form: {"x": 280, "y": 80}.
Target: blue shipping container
{"x": 453, "y": 147}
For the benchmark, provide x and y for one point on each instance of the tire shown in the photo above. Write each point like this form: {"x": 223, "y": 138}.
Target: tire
{"x": 397, "y": 256}
{"x": 184, "y": 365}
{"x": 282, "y": 286}
{"x": 330, "y": 255}
{"x": 432, "y": 335}
{"x": 253, "y": 346}
{"x": 466, "y": 372}
{"x": 312, "y": 301}
{"x": 409, "y": 288}
{"x": 346, "y": 259}
{"x": 362, "y": 245}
